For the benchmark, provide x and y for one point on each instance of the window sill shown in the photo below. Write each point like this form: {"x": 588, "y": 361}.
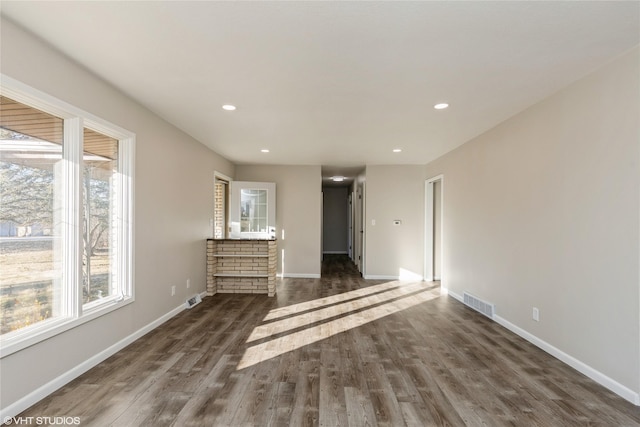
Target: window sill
{"x": 19, "y": 340}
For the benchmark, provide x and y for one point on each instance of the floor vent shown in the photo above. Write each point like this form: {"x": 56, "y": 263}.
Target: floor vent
{"x": 477, "y": 304}
{"x": 193, "y": 301}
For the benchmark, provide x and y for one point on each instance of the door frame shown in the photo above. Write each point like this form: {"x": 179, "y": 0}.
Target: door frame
{"x": 350, "y": 224}
{"x": 359, "y": 225}
{"x": 218, "y": 176}
{"x": 363, "y": 233}
{"x": 429, "y": 227}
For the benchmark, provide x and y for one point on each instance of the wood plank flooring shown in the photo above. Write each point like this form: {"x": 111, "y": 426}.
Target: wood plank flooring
{"x": 336, "y": 351}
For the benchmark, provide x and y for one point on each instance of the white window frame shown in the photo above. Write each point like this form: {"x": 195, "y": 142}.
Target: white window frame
{"x": 234, "y": 210}
{"x": 74, "y": 312}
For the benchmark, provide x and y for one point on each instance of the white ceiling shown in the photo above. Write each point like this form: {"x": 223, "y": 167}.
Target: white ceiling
{"x": 336, "y": 84}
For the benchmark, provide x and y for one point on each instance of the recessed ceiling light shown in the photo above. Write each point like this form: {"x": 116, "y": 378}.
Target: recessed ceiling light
{"x": 228, "y": 107}
{"x": 441, "y": 106}
{"x": 337, "y": 178}
{"x": 264, "y": 150}
{"x": 397, "y": 150}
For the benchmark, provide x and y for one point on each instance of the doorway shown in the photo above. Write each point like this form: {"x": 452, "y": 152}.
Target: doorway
{"x": 221, "y": 206}
{"x": 433, "y": 228}
{"x": 335, "y": 220}
{"x": 358, "y": 221}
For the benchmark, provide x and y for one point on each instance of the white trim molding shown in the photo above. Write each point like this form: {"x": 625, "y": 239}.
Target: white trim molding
{"x": 298, "y": 276}
{"x": 576, "y": 364}
{"x": 220, "y": 175}
{"x": 429, "y": 237}
{"x": 40, "y": 393}
{"x": 404, "y": 276}
{"x": 597, "y": 376}
{"x": 69, "y": 310}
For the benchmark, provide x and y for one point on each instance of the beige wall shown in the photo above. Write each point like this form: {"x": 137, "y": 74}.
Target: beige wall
{"x": 394, "y": 192}
{"x": 298, "y": 213}
{"x": 173, "y": 205}
{"x": 543, "y": 211}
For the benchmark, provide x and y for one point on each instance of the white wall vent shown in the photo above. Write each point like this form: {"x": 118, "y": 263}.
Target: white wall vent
{"x": 193, "y": 301}
{"x": 477, "y": 304}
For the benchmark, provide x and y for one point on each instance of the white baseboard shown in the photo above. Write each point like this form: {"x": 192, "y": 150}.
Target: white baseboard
{"x": 405, "y": 277}
{"x": 299, "y": 275}
{"x": 576, "y": 364}
{"x": 40, "y": 393}
{"x": 453, "y": 294}
{"x": 379, "y": 277}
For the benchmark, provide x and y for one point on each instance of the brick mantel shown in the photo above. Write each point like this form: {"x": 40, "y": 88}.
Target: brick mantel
{"x": 241, "y": 266}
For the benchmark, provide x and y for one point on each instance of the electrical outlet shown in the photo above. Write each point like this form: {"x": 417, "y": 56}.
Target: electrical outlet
{"x": 188, "y": 283}
{"x": 536, "y": 314}
{"x": 173, "y": 290}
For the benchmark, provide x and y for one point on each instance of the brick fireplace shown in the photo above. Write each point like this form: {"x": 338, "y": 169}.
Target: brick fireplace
{"x": 241, "y": 266}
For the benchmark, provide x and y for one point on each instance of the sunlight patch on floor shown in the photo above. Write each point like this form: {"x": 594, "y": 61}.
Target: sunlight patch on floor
{"x": 309, "y": 317}
{"x": 408, "y": 295}
{"x": 321, "y": 302}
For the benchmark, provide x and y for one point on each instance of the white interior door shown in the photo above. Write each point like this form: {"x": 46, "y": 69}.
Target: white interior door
{"x": 433, "y": 228}
{"x": 357, "y": 241}
{"x": 350, "y": 225}
{"x": 363, "y": 234}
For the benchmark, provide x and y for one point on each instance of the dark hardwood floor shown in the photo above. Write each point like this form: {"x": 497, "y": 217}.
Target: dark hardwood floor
{"x": 336, "y": 351}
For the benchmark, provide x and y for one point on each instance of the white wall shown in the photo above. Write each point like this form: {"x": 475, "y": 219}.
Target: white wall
{"x": 298, "y": 213}
{"x": 334, "y": 219}
{"x": 173, "y": 204}
{"x": 543, "y": 211}
{"x": 394, "y": 193}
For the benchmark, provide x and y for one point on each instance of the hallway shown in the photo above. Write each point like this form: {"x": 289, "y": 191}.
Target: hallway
{"x": 338, "y": 266}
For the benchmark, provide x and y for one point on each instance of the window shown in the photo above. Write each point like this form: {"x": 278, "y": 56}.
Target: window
{"x": 65, "y": 216}
{"x": 252, "y": 211}
{"x": 100, "y": 166}
{"x": 31, "y": 145}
